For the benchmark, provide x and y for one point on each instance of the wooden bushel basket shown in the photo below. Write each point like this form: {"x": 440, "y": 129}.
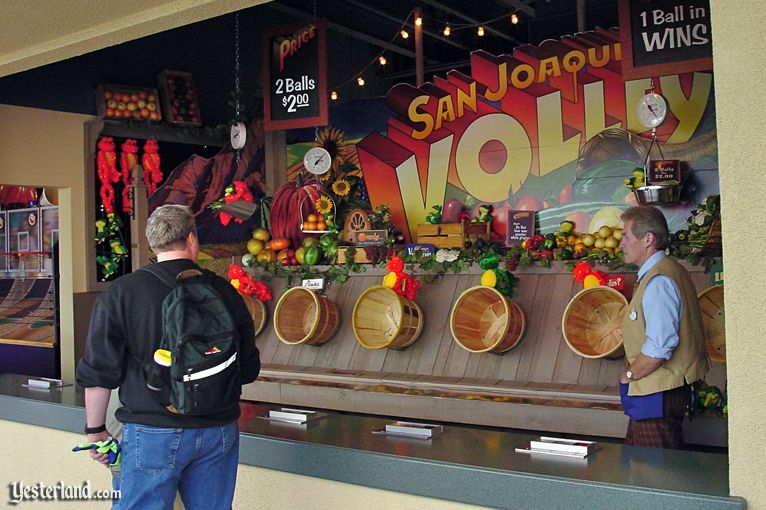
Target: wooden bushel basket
{"x": 484, "y": 320}
{"x": 384, "y": 319}
{"x": 711, "y": 308}
{"x": 592, "y": 322}
{"x": 304, "y": 317}
{"x": 257, "y": 311}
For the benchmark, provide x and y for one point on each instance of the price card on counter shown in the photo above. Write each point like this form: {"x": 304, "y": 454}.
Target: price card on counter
{"x": 295, "y": 74}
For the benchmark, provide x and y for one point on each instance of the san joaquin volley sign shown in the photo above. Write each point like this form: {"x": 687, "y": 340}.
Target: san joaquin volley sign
{"x": 295, "y": 73}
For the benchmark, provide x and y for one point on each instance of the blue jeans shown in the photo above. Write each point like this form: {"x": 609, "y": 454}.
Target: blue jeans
{"x": 199, "y": 463}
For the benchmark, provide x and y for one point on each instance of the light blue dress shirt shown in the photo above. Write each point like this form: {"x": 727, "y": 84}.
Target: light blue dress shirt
{"x": 662, "y": 312}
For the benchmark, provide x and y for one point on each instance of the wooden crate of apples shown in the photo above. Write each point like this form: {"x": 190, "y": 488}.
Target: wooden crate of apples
{"x": 122, "y": 103}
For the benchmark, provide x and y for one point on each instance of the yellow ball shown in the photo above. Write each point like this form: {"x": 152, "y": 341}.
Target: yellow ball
{"x": 488, "y": 278}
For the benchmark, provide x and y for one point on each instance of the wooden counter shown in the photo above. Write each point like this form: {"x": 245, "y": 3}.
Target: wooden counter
{"x": 468, "y": 464}
{"x": 539, "y": 385}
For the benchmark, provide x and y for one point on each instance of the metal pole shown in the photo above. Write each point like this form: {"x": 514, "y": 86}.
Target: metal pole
{"x": 140, "y": 253}
{"x": 581, "y": 15}
{"x": 418, "y": 48}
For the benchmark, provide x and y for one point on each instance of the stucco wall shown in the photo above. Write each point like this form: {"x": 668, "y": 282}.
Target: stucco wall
{"x": 740, "y": 74}
{"x": 256, "y": 487}
{"x": 44, "y": 148}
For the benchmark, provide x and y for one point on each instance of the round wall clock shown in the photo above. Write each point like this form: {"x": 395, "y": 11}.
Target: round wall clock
{"x": 317, "y": 160}
{"x": 651, "y": 110}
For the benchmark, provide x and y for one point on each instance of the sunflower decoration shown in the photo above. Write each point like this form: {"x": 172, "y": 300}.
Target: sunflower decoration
{"x": 332, "y": 140}
{"x": 341, "y": 187}
{"x": 323, "y": 204}
{"x": 345, "y": 188}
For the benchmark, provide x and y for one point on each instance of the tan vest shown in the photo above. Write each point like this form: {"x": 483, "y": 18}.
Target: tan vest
{"x": 689, "y": 361}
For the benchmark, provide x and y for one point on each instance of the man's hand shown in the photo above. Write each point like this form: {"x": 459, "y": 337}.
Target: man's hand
{"x": 99, "y": 457}
{"x": 642, "y": 366}
{"x": 96, "y": 401}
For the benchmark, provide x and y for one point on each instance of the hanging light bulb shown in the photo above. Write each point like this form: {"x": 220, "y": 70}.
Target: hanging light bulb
{"x": 404, "y": 34}
{"x": 382, "y": 60}
{"x": 360, "y": 81}
{"x": 480, "y": 31}
{"x": 334, "y": 95}
{"x": 514, "y": 18}
{"x": 447, "y": 30}
{"x": 419, "y": 20}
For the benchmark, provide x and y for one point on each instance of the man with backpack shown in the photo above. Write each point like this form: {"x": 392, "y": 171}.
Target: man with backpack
{"x": 180, "y": 431}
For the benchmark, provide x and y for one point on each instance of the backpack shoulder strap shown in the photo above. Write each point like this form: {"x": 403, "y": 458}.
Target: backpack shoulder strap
{"x": 162, "y": 273}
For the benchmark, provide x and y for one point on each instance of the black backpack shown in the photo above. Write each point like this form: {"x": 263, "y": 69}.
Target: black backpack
{"x": 199, "y": 331}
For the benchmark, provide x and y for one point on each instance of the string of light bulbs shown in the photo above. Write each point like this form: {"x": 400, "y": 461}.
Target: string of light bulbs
{"x": 380, "y": 58}
{"x": 450, "y": 27}
{"x": 402, "y": 32}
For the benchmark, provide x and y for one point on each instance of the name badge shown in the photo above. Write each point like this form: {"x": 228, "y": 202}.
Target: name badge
{"x": 633, "y": 314}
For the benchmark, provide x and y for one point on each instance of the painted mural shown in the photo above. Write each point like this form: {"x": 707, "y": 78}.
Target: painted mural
{"x": 550, "y": 128}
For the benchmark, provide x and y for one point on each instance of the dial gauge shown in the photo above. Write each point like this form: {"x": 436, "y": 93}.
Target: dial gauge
{"x": 238, "y": 135}
{"x": 652, "y": 110}
{"x": 317, "y": 160}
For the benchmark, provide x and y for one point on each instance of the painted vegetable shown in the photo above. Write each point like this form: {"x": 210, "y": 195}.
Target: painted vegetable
{"x": 454, "y": 211}
{"x": 311, "y": 255}
{"x": 293, "y": 200}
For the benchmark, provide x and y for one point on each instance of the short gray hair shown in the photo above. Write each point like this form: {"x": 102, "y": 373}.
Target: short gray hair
{"x": 647, "y": 218}
{"x": 168, "y": 227}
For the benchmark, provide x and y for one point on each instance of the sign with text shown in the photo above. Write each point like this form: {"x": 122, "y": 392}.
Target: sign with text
{"x": 665, "y": 36}
{"x": 521, "y": 225}
{"x": 295, "y": 74}
{"x": 616, "y": 281}
{"x": 421, "y": 249}
{"x": 664, "y": 170}
{"x": 369, "y": 237}
{"x": 313, "y": 284}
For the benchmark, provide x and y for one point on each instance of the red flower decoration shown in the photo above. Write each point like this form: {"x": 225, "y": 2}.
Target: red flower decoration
{"x": 237, "y": 191}
{"x": 395, "y": 265}
{"x": 602, "y": 276}
{"x": 244, "y": 283}
{"x": 581, "y": 270}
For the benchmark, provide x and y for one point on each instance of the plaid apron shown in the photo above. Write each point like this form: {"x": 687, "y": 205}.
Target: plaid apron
{"x": 665, "y": 432}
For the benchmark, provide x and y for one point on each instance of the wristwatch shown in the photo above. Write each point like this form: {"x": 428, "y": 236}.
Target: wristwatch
{"x": 629, "y": 374}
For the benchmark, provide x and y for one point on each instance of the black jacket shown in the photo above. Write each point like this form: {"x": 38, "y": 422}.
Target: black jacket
{"x": 126, "y": 327}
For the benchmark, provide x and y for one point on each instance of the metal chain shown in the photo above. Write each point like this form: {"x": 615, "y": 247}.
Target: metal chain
{"x": 236, "y": 76}
{"x": 654, "y": 129}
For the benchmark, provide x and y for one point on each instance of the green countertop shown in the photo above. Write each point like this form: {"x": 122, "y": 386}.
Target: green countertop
{"x": 469, "y": 464}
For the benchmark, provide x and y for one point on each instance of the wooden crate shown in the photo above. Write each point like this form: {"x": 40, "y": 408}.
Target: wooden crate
{"x": 179, "y": 98}
{"x": 452, "y": 235}
{"x": 122, "y": 102}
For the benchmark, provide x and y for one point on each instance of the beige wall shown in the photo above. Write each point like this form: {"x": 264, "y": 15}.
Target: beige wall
{"x": 740, "y": 75}
{"x": 256, "y": 487}
{"x": 45, "y": 148}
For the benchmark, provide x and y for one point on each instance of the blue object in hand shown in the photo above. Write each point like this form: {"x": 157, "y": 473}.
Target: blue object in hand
{"x": 110, "y": 446}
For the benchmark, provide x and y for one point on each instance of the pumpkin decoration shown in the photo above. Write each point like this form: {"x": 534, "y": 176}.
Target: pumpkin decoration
{"x": 293, "y": 201}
